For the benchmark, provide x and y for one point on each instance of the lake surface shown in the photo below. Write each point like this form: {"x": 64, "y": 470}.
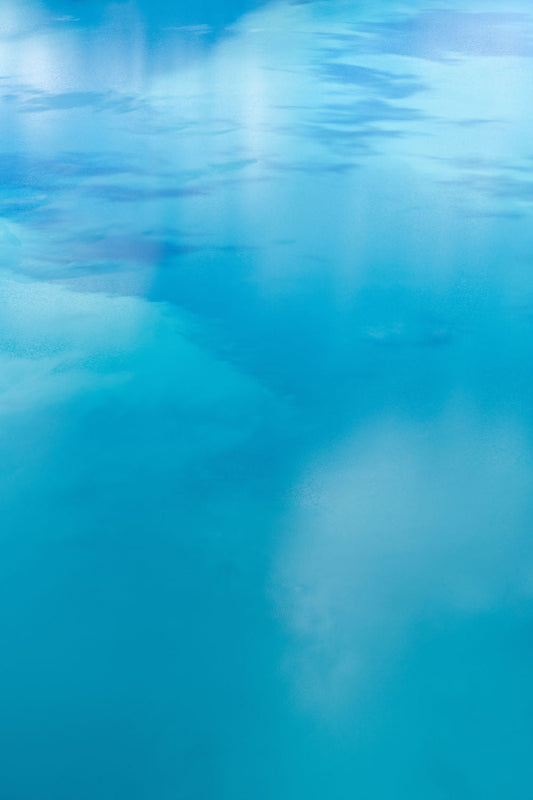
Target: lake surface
{"x": 266, "y": 400}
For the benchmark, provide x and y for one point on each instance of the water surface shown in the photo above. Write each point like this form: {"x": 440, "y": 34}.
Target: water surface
{"x": 266, "y": 400}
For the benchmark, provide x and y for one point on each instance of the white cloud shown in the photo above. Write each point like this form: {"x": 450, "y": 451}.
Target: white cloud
{"x": 158, "y": 401}
{"x": 406, "y": 520}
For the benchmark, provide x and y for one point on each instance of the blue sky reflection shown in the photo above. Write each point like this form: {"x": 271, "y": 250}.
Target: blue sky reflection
{"x": 266, "y": 400}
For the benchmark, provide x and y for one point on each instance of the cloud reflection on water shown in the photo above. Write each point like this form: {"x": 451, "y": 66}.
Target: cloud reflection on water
{"x": 266, "y": 399}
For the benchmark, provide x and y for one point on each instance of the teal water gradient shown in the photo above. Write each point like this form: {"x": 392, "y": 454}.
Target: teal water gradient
{"x": 266, "y": 400}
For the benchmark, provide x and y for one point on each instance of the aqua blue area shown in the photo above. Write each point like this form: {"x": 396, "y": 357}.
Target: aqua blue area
{"x": 266, "y": 400}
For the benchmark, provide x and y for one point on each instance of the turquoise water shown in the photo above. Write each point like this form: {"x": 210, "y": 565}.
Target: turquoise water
{"x": 266, "y": 400}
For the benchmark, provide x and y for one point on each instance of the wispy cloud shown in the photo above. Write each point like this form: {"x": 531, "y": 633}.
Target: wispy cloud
{"x": 382, "y": 83}
{"x": 39, "y": 102}
{"x": 444, "y": 34}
